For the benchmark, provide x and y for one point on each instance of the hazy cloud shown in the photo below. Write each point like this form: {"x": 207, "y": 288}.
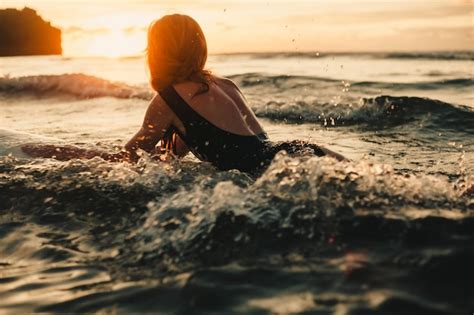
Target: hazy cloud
{"x": 77, "y": 29}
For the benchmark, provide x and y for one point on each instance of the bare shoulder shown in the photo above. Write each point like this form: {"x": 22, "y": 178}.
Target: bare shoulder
{"x": 158, "y": 104}
{"x": 225, "y": 81}
{"x": 158, "y": 113}
{"x": 230, "y": 86}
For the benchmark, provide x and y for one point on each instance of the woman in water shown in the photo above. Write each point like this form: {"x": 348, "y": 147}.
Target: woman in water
{"x": 193, "y": 110}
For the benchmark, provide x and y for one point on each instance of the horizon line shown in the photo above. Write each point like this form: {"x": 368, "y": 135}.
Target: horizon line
{"x": 317, "y": 53}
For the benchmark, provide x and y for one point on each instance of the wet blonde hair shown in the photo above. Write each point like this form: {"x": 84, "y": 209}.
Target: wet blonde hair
{"x": 177, "y": 52}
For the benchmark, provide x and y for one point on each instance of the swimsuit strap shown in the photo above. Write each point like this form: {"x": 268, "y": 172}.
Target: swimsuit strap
{"x": 178, "y": 105}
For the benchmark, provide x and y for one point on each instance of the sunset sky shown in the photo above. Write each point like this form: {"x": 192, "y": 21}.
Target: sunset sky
{"x": 118, "y": 27}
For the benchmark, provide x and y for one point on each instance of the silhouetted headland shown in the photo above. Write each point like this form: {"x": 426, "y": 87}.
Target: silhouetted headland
{"x": 24, "y": 32}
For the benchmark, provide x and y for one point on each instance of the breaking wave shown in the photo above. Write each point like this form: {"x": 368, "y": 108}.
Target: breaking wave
{"x": 382, "y": 110}
{"x": 86, "y": 86}
{"x": 187, "y": 209}
{"x": 164, "y": 220}
{"x": 292, "y": 81}
{"x": 77, "y": 85}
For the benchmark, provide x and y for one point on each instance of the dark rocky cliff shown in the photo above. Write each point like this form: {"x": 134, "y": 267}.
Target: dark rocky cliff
{"x": 26, "y": 33}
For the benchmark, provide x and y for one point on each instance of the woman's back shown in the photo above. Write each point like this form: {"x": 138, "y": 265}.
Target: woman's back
{"x": 223, "y": 105}
{"x": 215, "y": 125}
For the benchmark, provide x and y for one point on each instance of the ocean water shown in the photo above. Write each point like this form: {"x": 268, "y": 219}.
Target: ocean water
{"x": 391, "y": 232}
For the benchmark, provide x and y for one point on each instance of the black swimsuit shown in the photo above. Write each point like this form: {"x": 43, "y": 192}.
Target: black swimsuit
{"x": 224, "y": 149}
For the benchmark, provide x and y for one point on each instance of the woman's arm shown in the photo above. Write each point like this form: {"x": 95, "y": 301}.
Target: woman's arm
{"x": 158, "y": 119}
